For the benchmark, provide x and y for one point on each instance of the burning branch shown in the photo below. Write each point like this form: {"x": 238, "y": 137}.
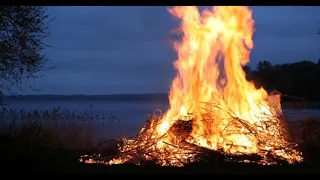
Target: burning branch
{"x": 167, "y": 150}
{"x": 214, "y": 109}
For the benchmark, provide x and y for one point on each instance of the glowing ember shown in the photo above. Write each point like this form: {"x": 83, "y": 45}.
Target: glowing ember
{"x": 212, "y": 105}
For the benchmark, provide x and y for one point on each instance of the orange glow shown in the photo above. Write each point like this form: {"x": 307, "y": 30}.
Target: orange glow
{"x": 228, "y": 113}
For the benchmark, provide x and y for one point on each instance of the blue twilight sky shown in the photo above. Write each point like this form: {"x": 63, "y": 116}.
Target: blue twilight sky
{"x": 105, "y": 50}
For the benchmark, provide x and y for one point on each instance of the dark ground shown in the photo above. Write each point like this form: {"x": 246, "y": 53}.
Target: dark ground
{"x": 27, "y": 152}
{"x": 21, "y": 158}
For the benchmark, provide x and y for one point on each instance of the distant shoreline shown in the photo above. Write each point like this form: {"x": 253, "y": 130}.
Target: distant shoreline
{"x": 157, "y": 97}
{"x": 111, "y": 97}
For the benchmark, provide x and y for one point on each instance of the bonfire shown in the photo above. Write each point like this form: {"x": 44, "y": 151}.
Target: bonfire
{"x": 213, "y": 108}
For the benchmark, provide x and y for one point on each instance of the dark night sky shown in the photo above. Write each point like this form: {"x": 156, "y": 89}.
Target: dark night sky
{"x": 105, "y": 50}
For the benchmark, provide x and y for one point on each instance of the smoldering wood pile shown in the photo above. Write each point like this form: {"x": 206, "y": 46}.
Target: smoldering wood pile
{"x": 180, "y": 131}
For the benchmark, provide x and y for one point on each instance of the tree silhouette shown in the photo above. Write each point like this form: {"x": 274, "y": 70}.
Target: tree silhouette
{"x": 299, "y": 79}
{"x": 264, "y": 66}
{"x": 22, "y": 29}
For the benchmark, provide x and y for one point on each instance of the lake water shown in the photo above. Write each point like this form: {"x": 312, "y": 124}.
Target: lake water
{"x": 130, "y": 111}
{"x": 132, "y": 114}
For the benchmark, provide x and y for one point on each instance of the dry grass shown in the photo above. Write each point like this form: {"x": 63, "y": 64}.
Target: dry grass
{"x": 74, "y": 130}
{"x": 55, "y": 128}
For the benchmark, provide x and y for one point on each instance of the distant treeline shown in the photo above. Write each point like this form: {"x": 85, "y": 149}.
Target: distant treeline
{"x": 112, "y": 97}
{"x": 300, "y": 79}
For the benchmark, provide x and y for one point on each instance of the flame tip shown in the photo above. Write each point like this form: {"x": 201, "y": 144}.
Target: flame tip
{"x": 212, "y": 105}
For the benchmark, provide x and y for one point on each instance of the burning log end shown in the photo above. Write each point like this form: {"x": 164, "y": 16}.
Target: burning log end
{"x": 182, "y": 126}
{"x": 181, "y": 129}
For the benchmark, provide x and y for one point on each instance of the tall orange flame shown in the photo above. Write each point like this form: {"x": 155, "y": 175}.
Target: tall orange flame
{"x": 211, "y": 54}
{"x": 228, "y": 113}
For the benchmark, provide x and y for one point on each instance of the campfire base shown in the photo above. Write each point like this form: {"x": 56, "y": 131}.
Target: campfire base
{"x": 179, "y": 134}
{"x": 200, "y": 155}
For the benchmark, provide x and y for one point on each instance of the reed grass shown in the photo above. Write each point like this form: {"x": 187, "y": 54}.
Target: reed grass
{"x": 58, "y": 127}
